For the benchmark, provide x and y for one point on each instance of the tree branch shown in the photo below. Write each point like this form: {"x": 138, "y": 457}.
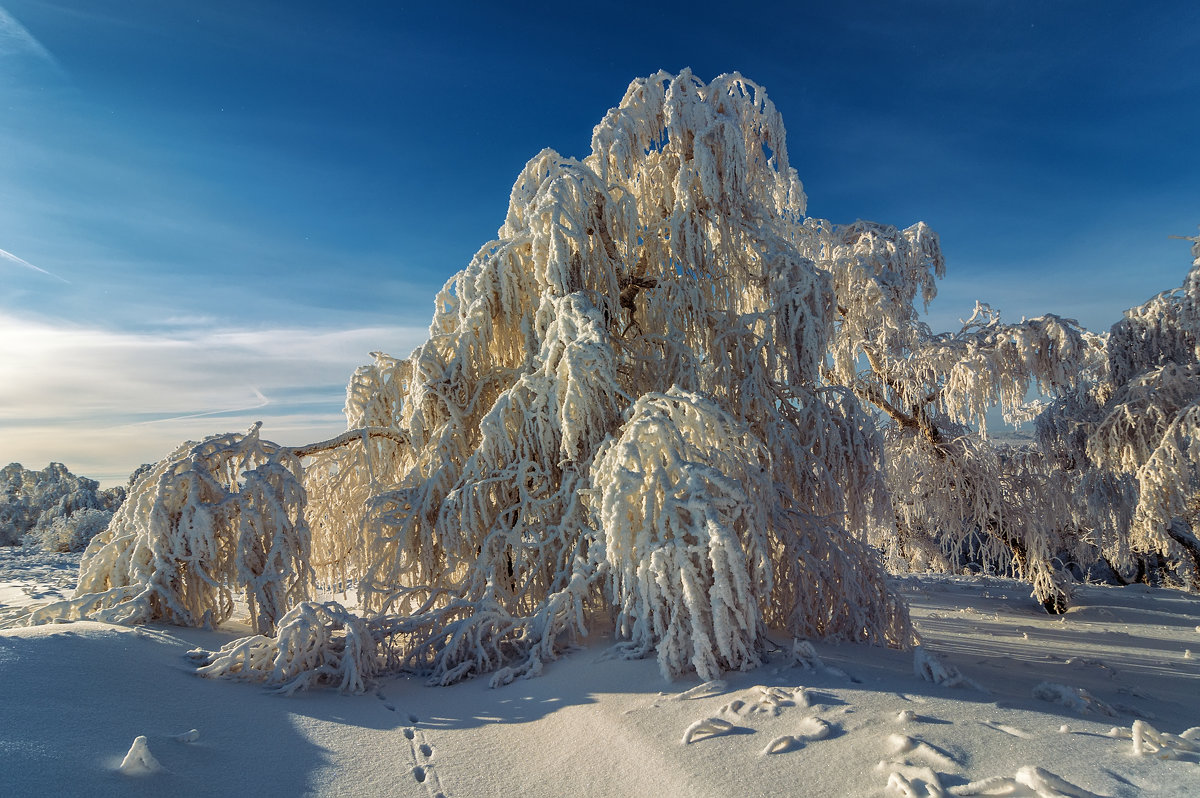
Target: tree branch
{"x": 346, "y": 438}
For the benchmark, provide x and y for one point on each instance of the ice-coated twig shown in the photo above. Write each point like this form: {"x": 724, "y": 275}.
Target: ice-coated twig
{"x": 703, "y": 690}
{"x": 1149, "y": 741}
{"x": 706, "y": 728}
{"x": 932, "y": 668}
{"x": 1042, "y": 783}
{"x": 781, "y": 745}
{"x": 907, "y": 780}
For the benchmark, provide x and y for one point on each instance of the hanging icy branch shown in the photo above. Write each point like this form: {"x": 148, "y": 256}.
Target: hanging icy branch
{"x": 683, "y": 495}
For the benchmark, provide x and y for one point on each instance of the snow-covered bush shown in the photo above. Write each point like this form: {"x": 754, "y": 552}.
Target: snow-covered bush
{"x": 223, "y": 515}
{"x": 71, "y": 533}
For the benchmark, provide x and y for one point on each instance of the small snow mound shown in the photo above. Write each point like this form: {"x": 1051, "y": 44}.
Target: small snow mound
{"x": 781, "y": 745}
{"x": 189, "y": 736}
{"x": 805, "y": 656}
{"x": 1073, "y": 698}
{"x": 815, "y": 729}
{"x": 906, "y": 716}
{"x": 930, "y": 667}
{"x": 139, "y": 760}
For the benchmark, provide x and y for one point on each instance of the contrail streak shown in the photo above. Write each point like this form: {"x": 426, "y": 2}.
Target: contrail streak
{"x": 22, "y": 262}
{"x": 263, "y": 401}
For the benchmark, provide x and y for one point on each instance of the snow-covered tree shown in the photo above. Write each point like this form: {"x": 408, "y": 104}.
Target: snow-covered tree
{"x": 1129, "y": 440}
{"x": 643, "y": 400}
{"x": 619, "y": 411}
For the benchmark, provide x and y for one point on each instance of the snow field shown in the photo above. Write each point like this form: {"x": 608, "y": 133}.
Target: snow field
{"x": 815, "y": 719}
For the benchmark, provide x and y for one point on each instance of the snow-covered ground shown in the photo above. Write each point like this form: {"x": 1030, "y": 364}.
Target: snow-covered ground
{"x": 1026, "y": 705}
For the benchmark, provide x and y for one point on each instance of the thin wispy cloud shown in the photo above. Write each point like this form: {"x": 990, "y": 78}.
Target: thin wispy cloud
{"x": 5, "y": 255}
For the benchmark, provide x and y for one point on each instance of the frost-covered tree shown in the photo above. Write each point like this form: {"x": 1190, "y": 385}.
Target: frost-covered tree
{"x": 619, "y": 411}
{"x": 1129, "y": 440}
{"x": 644, "y": 400}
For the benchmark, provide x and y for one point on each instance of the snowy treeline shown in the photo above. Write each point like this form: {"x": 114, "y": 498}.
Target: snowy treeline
{"x": 53, "y": 508}
{"x": 663, "y": 396}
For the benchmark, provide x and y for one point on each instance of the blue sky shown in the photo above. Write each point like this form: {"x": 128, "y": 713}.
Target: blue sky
{"x": 211, "y": 212}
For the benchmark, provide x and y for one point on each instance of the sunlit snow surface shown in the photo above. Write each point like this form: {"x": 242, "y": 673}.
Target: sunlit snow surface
{"x": 1033, "y": 714}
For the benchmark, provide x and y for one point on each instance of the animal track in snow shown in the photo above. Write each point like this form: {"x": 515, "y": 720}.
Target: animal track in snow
{"x": 421, "y": 753}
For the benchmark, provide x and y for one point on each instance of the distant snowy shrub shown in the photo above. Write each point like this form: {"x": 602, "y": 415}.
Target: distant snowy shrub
{"x": 49, "y": 508}
{"x": 71, "y": 533}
